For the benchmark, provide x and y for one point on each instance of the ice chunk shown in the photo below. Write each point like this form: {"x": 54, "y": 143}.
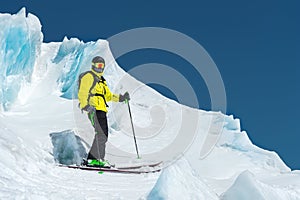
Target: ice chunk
{"x": 67, "y": 148}
{"x": 20, "y": 44}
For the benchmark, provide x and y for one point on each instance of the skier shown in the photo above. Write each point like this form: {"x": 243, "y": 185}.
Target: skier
{"x": 93, "y": 93}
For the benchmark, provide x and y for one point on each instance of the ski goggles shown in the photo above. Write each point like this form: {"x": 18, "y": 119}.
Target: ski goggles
{"x": 99, "y": 65}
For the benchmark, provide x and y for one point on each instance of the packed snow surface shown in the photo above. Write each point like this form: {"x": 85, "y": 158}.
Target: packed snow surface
{"x": 205, "y": 154}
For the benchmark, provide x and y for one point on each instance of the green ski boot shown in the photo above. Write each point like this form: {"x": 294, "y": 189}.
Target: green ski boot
{"x": 98, "y": 163}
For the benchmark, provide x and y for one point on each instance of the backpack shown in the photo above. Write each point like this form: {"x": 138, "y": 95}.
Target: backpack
{"x": 96, "y": 80}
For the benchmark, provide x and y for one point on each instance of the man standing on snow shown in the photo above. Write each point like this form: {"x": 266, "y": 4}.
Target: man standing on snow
{"x": 93, "y": 94}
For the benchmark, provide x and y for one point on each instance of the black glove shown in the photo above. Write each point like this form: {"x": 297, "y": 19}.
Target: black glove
{"x": 124, "y": 97}
{"x": 89, "y": 109}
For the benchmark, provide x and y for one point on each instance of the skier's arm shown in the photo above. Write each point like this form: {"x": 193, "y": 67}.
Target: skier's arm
{"x": 83, "y": 93}
{"x": 109, "y": 96}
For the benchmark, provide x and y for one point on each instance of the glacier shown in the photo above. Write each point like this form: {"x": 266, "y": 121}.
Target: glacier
{"x": 41, "y": 126}
{"x": 21, "y": 40}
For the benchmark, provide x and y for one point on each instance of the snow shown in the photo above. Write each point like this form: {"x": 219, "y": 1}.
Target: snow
{"x": 206, "y": 154}
{"x": 246, "y": 184}
{"x": 186, "y": 185}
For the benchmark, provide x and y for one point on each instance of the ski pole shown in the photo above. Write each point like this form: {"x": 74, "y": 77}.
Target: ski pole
{"x": 137, "y": 152}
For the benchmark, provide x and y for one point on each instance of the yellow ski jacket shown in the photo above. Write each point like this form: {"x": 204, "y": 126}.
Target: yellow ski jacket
{"x": 99, "y": 94}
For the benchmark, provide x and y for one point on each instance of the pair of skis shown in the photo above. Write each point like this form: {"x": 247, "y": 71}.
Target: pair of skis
{"x": 137, "y": 169}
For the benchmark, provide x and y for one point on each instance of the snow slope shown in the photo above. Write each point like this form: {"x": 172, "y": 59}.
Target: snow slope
{"x": 38, "y": 100}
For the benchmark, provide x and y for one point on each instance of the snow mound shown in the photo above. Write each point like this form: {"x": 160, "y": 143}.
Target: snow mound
{"x": 179, "y": 181}
{"x": 247, "y": 187}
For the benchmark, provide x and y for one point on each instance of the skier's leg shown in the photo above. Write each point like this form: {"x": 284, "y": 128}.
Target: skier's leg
{"x": 101, "y": 132}
{"x": 92, "y": 153}
{"x": 101, "y": 140}
{"x": 102, "y": 135}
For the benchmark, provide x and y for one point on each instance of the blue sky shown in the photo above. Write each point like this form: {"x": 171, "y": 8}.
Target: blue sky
{"x": 255, "y": 45}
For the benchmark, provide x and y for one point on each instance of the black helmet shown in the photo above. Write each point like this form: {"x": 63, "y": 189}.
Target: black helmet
{"x": 98, "y": 64}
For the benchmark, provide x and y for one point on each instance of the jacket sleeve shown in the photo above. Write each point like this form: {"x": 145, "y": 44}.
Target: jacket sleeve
{"x": 109, "y": 96}
{"x": 83, "y": 92}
